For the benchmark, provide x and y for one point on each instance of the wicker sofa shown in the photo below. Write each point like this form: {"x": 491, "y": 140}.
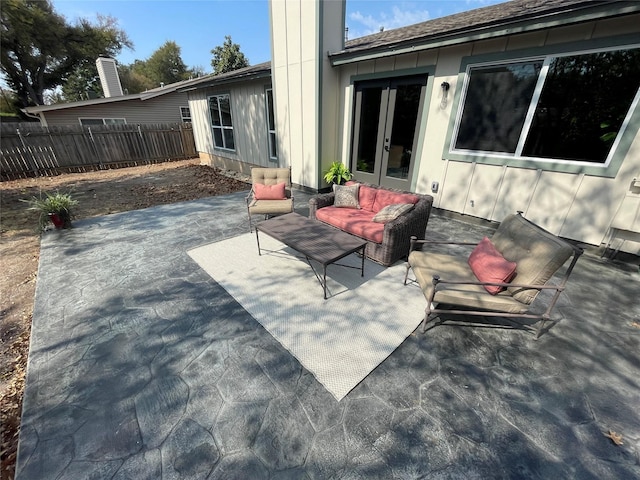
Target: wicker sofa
{"x": 386, "y": 242}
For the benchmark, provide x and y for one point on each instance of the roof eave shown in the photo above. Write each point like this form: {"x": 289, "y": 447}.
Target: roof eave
{"x": 225, "y": 81}
{"x": 483, "y": 32}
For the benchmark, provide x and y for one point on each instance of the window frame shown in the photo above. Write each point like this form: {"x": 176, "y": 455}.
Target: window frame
{"x": 222, "y": 127}
{"x": 619, "y": 148}
{"x": 185, "y": 119}
{"x": 272, "y": 136}
{"x": 119, "y": 121}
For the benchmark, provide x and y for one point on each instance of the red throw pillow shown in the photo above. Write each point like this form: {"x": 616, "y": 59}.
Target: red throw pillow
{"x": 488, "y": 265}
{"x": 269, "y": 192}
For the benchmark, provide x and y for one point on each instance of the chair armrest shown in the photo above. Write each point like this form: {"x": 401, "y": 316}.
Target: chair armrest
{"x": 437, "y": 281}
{"x": 320, "y": 201}
{"x": 417, "y": 243}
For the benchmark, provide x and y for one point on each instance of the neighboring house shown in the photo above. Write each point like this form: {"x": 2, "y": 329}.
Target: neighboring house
{"x": 160, "y": 105}
{"x": 165, "y": 104}
{"x": 490, "y": 110}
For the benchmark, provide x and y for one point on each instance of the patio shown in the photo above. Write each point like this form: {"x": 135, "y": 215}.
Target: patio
{"x": 141, "y": 366}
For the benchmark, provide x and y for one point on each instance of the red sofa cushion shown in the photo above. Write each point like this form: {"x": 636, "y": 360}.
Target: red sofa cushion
{"x": 488, "y": 265}
{"x": 356, "y": 222}
{"x": 386, "y": 197}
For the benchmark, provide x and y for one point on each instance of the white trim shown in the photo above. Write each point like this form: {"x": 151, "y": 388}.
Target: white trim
{"x": 222, "y": 127}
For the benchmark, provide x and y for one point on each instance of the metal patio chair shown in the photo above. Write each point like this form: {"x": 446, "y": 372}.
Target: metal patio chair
{"x": 448, "y": 278}
{"x": 271, "y": 200}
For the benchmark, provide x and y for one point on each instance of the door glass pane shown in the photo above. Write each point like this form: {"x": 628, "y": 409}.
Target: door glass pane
{"x": 405, "y": 117}
{"x": 584, "y": 101}
{"x": 369, "y": 117}
{"x": 495, "y": 106}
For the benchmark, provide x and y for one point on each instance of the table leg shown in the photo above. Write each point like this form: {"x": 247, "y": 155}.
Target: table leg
{"x": 362, "y": 268}
{"x": 324, "y": 280}
{"x": 258, "y": 242}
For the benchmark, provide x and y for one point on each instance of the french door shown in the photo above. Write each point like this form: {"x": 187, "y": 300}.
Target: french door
{"x": 385, "y": 134}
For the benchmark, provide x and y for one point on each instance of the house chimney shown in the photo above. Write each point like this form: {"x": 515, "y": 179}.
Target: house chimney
{"x": 109, "y": 79}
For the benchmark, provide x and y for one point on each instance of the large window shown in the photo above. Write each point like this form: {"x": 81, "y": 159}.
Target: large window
{"x": 221, "y": 122}
{"x": 271, "y": 126}
{"x": 568, "y": 108}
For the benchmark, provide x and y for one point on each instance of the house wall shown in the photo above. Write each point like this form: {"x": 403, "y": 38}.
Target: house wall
{"x": 305, "y": 85}
{"x": 248, "y": 113}
{"x": 161, "y": 109}
{"x": 574, "y": 205}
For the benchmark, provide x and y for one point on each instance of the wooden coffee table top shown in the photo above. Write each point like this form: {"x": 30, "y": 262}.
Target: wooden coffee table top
{"x": 312, "y": 238}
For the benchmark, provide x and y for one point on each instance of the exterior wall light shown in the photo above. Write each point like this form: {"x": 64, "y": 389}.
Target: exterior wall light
{"x": 445, "y": 93}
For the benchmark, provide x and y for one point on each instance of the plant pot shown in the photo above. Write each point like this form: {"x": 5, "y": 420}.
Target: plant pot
{"x": 57, "y": 221}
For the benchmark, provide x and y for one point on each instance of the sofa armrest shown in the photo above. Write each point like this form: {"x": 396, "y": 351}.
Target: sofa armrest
{"x": 398, "y": 232}
{"x": 320, "y": 201}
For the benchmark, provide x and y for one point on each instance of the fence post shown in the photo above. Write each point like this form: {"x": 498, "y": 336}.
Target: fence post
{"x": 28, "y": 155}
{"x": 95, "y": 148}
{"x": 144, "y": 142}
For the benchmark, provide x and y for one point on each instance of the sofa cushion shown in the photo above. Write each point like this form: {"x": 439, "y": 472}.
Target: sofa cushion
{"x": 489, "y": 266}
{"x": 269, "y": 192}
{"x": 391, "y": 212}
{"x": 367, "y": 197}
{"x": 387, "y": 197}
{"x": 346, "y": 196}
{"x": 354, "y": 221}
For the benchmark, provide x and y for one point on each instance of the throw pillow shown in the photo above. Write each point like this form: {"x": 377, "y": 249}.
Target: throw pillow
{"x": 269, "y": 192}
{"x": 488, "y": 265}
{"x": 346, "y": 196}
{"x": 391, "y": 212}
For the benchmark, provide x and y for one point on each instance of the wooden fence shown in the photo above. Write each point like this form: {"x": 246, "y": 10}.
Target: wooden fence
{"x": 28, "y": 150}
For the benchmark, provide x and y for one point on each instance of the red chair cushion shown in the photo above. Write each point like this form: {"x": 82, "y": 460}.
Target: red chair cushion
{"x": 488, "y": 265}
{"x": 269, "y": 192}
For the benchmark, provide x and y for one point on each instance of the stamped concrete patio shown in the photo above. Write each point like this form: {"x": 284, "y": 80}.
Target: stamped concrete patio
{"x": 142, "y": 367}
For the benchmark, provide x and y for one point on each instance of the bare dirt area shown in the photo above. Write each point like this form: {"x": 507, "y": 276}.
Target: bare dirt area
{"x": 98, "y": 193}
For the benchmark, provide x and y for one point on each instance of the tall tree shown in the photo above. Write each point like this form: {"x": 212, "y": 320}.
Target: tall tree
{"x": 39, "y": 50}
{"x": 165, "y": 65}
{"x": 228, "y": 57}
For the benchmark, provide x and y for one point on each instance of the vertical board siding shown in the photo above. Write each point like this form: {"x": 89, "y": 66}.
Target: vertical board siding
{"x": 161, "y": 109}
{"x": 33, "y": 150}
{"x": 248, "y": 110}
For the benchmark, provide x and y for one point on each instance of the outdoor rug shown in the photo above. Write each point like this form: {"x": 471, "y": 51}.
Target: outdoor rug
{"x": 340, "y": 340}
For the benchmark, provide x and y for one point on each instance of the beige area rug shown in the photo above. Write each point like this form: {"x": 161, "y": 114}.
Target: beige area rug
{"x": 340, "y": 340}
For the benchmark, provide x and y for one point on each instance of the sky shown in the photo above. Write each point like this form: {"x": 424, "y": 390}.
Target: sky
{"x": 198, "y": 26}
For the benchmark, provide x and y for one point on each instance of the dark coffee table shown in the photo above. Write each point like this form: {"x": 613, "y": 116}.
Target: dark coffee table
{"x": 313, "y": 239}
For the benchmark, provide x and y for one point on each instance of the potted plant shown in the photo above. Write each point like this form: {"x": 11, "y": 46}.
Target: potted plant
{"x": 55, "y": 208}
{"x": 338, "y": 173}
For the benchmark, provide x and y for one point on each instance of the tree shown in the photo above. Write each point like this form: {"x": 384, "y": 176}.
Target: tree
{"x": 39, "y": 50}
{"x": 165, "y": 65}
{"x": 228, "y": 57}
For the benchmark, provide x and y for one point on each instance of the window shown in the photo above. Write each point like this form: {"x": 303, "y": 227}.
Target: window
{"x": 185, "y": 114}
{"x": 87, "y": 122}
{"x": 568, "y": 108}
{"x": 271, "y": 126}
{"x": 221, "y": 124}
